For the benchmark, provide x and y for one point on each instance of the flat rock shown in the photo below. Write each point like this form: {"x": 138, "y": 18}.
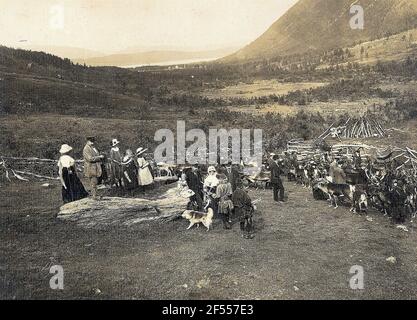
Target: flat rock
{"x": 113, "y": 211}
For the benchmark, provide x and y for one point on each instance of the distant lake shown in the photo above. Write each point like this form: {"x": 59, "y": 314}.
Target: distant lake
{"x": 172, "y": 63}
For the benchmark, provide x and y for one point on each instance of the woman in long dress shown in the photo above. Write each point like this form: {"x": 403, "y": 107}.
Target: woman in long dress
{"x": 72, "y": 188}
{"x": 145, "y": 177}
{"x": 130, "y": 174}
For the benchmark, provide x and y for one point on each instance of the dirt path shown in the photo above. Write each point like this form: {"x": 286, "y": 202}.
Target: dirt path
{"x": 303, "y": 250}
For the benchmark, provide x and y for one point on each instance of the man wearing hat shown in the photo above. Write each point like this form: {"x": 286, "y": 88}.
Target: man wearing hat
{"x": 194, "y": 182}
{"x": 276, "y": 181}
{"x": 270, "y": 160}
{"x": 115, "y": 164}
{"x": 92, "y": 165}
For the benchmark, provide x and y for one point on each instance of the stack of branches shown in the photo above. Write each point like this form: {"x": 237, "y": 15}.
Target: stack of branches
{"x": 303, "y": 149}
{"x": 347, "y": 151}
{"x": 24, "y": 169}
{"x": 403, "y": 157}
{"x": 364, "y": 127}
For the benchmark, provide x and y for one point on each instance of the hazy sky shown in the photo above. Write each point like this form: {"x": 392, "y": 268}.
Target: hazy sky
{"x": 114, "y": 25}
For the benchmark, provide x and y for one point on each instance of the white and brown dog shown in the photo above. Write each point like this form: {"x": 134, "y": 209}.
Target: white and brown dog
{"x": 196, "y": 218}
{"x": 360, "y": 199}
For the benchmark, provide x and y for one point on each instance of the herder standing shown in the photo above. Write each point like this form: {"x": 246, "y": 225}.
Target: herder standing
{"x": 244, "y": 210}
{"x": 224, "y": 194}
{"x": 357, "y": 160}
{"x": 276, "y": 181}
{"x": 234, "y": 176}
{"x": 195, "y": 184}
{"x": 72, "y": 188}
{"x": 92, "y": 165}
{"x": 116, "y": 164}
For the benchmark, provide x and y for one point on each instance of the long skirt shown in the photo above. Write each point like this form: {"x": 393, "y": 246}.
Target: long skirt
{"x": 104, "y": 175}
{"x": 130, "y": 176}
{"x": 75, "y": 189}
{"x": 145, "y": 177}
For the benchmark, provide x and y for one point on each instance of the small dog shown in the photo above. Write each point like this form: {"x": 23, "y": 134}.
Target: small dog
{"x": 196, "y": 218}
{"x": 292, "y": 175}
{"x": 360, "y": 199}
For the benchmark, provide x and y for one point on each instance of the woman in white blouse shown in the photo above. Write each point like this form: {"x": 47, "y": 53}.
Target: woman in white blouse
{"x": 145, "y": 177}
{"x": 72, "y": 188}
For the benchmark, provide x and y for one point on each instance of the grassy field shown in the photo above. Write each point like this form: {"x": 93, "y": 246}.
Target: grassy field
{"x": 394, "y": 48}
{"x": 260, "y": 88}
{"x": 330, "y": 108}
{"x": 302, "y": 250}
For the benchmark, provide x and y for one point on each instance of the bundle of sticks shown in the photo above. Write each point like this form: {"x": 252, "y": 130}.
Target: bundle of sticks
{"x": 363, "y": 127}
{"x": 407, "y": 156}
{"x": 303, "y": 149}
{"x": 17, "y": 168}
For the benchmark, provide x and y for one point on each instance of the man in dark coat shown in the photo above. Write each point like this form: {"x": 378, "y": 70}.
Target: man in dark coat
{"x": 357, "y": 160}
{"x": 234, "y": 176}
{"x": 194, "y": 182}
{"x": 276, "y": 181}
{"x": 244, "y": 210}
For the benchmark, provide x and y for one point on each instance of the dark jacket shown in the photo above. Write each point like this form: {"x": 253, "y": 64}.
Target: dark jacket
{"x": 241, "y": 199}
{"x": 194, "y": 182}
{"x": 276, "y": 172}
{"x": 234, "y": 177}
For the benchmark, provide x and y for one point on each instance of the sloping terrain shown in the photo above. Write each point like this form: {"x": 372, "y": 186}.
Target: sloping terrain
{"x": 302, "y": 250}
{"x": 324, "y": 24}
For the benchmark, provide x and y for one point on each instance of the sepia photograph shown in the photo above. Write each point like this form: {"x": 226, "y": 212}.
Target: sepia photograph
{"x": 198, "y": 151}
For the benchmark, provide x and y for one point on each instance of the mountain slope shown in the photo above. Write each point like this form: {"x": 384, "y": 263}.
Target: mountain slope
{"x": 324, "y": 24}
{"x": 65, "y": 52}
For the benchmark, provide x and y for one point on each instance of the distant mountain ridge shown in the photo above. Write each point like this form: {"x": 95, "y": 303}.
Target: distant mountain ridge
{"x": 71, "y": 53}
{"x": 154, "y": 57}
{"x": 324, "y": 24}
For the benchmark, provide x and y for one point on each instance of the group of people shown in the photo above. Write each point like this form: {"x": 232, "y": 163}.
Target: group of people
{"x": 126, "y": 172}
{"x": 222, "y": 190}
{"x": 130, "y": 171}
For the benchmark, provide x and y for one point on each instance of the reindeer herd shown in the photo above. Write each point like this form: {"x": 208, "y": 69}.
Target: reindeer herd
{"x": 390, "y": 191}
